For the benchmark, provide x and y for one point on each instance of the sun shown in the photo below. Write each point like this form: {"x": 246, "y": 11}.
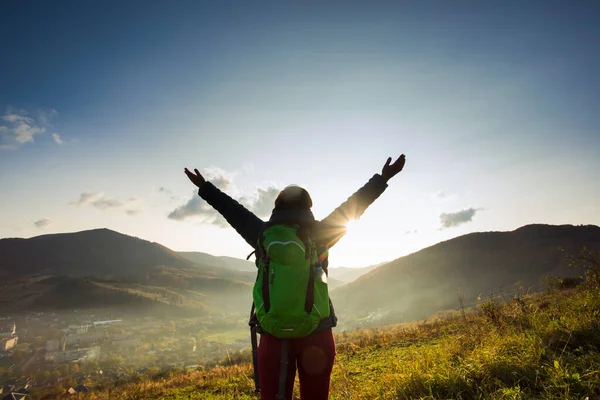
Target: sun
{"x": 350, "y": 225}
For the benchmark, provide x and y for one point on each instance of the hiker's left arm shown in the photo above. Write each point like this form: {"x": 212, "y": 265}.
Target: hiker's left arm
{"x": 248, "y": 225}
{"x": 333, "y": 227}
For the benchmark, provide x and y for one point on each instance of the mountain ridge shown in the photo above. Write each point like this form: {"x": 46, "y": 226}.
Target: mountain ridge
{"x": 101, "y": 253}
{"x": 430, "y": 279}
{"x": 407, "y": 288}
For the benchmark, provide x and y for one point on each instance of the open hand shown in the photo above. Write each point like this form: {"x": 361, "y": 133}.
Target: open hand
{"x": 390, "y": 170}
{"x": 197, "y": 178}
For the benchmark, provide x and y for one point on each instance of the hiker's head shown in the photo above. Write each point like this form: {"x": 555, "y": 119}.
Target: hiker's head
{"x": 293, "y": 198}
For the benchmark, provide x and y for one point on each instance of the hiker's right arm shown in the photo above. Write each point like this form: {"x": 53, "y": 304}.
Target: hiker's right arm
{"x": 333, "y": 227}
{"x": 248, "y": 225}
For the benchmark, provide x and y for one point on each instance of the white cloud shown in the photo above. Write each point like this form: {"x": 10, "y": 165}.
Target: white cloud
{"x": 102, "y": 202}
{"x": 18, "y": 127}
{"x": 219, "y": 177}
{"x": 260, "y": 201}
{"x": 56, "y": 138}
{"x": 13, "y": 118}
{"x": 197, "y": 207}
{"x": 42, "y": 223}
{"x": 23, "y": 132}
{"x": 449, "y": 220}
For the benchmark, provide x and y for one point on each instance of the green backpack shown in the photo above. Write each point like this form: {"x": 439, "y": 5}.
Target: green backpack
{"x": 290, "y": 295}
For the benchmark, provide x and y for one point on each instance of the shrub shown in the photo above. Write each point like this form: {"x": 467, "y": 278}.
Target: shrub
{"x": 491, "y": 310}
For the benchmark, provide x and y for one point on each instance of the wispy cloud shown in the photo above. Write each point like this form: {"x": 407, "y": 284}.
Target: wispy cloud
{"x": 42, "y": 223}
{"x": 56, "y": 138}
{"x": 95, "y": 199}
{"x": 443, "y": 196}
{"x": 18, "y": 127}
{"x": 449, "y": 220}
{"x": 163, "y": 191}
{"x": 103, "y": 202}
{"x": 411, "y": 232}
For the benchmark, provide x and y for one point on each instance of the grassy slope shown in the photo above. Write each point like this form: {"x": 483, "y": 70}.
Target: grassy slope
{"x": 541, "y": 347}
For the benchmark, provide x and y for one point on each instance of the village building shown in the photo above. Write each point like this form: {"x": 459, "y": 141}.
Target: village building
{"x": 7, "y": 344}
{"x": 107, "y": 323}
{"x": 127, "y": 342}
{"x": 52, "y": 345}
{"x": 86, "y": 354}
{"x": 8, "y": 337}
{"x": 81, "y": 338}
{"x": 8, "y": 330}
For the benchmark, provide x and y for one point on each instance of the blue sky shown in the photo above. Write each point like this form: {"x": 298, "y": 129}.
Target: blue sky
{"x": 103, "y": 103}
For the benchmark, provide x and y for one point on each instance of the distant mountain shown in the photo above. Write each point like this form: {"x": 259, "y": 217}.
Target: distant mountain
{"x": 333, "y": 283}
{"x": 100, "y": 253}
{"x": 231, "y": 263}
{"x": 102, "y": 268}
{"x": 346, "y": 275}
{"x": 414, "y": 286}
{"x": 128, "y": 270}
{"x": 237, "y": 264}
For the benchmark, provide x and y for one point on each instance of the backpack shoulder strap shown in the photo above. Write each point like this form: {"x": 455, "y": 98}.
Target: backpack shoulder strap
{"x": 261, "y": 255}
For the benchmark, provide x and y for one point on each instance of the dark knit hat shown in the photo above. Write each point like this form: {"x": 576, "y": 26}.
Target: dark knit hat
{"x": 293, "y": 197}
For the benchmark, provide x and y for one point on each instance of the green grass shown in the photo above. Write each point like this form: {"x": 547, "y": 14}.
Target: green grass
{"x": 542, "y": 347}
{"x": 227, "y": 337}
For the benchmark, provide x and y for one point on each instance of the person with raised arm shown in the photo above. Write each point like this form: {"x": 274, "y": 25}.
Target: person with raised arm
{"x": 293, "y": 313}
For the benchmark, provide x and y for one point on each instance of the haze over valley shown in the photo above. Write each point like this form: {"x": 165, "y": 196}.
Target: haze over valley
{"x": 121, "y": 303}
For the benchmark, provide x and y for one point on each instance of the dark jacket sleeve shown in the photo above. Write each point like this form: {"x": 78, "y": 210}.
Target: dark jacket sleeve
{"x": 333, "y": 227}
{"x": 248, "y": 225}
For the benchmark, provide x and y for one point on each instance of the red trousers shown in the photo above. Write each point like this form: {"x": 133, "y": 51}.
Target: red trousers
{"x": 312, "y": 355}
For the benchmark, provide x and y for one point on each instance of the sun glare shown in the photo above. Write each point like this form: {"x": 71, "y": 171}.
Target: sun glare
{"x": 350, "y": 224}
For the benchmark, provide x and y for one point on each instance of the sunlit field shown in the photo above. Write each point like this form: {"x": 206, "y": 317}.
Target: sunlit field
{"x": 543, "y": 346}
